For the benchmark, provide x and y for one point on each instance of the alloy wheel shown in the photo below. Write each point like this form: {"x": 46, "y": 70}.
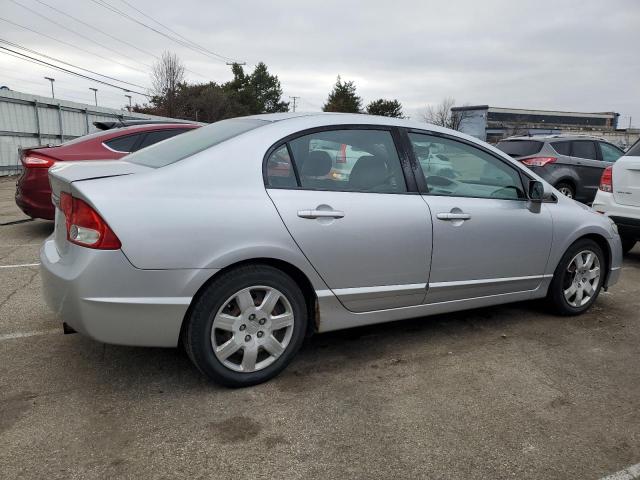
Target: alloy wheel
{"x": 252, "y": 329}
{"x": 566, "y": 191}
{"x": 582, "y": 278}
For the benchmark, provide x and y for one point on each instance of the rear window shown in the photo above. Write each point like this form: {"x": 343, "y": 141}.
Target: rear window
{"x": 123, "y": 144}
{"x": 520, "y": 148}
{"x": 190, "y": 143}
{"x": 634, "y": 151}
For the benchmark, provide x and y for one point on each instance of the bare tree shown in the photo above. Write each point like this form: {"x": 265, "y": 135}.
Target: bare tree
{"x": 442, "y": 115}
{"x": 166, "y": 77}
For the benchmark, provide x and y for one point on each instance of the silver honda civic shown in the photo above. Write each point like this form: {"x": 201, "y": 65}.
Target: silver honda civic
{"x": 239, "y": 239}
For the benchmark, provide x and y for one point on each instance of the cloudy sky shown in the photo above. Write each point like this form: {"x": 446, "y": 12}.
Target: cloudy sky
{"x": 561, "y": 55}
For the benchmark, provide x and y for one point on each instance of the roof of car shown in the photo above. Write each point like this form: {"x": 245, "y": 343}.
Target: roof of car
{"x": 557, "y": 137}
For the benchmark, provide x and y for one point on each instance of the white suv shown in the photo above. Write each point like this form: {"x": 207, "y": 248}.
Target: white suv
{"x": 618, "y": 196}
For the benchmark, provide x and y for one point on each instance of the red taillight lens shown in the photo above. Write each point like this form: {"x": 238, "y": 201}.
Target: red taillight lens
{"x": 606, "y": 181}
{"x": 85, "y": 227}
{"x": 342, "y": 156}
{"x": 37, "y": 162}
{"x": 539, "y": 161}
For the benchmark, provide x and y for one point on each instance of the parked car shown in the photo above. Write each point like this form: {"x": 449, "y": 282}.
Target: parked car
{"x": 199, "y": 240}
{"x": 619, "y": 196}
{"x": 572, "y": 164}
{"x": 33, "y": 193}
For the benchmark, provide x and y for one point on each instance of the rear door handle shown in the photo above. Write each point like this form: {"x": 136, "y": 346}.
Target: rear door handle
{"x": 453, "y": 216}
{"x": 320, "y": 214}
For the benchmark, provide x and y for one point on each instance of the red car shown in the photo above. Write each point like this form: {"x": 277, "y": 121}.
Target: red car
{"x": 33, "y": 192}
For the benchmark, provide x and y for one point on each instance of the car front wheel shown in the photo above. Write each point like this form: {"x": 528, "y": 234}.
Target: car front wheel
{"x": 246, "y": 326}
{"x": 566, "y": 189}
{"x": 578, "y": 278}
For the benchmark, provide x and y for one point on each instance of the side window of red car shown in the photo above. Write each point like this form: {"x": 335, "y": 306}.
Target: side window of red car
{"x": 159, "y": 135}
{"x": 124, "y": 144}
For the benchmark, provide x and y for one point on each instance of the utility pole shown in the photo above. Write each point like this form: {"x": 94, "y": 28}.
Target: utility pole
{"x": 129, "y": 97}
{"x": 95, "y": 94}
{"x": 294, "y": 101}
{"x": 51, "y": 80}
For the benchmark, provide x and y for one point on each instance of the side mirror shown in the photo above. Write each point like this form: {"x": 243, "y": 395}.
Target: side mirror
{"x": 536, "y": 191}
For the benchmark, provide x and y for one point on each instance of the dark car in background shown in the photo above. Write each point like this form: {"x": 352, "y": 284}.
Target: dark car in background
{"x": 572, "y": 164}
{"x": 33, "y": 192}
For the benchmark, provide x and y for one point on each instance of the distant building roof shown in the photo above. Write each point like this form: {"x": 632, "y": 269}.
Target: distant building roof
{"x": 525, "y": 111}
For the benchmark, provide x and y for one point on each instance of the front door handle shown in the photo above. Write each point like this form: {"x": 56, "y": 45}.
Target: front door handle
{"x": 453, "y": 216}
{"x": 320, "y": 214}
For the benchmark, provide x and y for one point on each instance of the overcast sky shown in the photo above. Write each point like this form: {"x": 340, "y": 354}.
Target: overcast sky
{"x": 557, "y": 55}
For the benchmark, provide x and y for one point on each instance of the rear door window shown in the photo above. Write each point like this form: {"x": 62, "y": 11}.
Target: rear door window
{"x": 584, "y": 149}
{"x": 563, "y": 148}
{"x": 520, "y": 148}
{"x": 609, "y": 152}
{"x": 348, "y": 161}
{"x": 124, "y": 144}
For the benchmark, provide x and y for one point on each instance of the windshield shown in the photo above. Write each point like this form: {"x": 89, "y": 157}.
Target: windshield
{"x": 520, "y": 148}
{"x": 634, "y": 151}
{"x": 189, "y": 143}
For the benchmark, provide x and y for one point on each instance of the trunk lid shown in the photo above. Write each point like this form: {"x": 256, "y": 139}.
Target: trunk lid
{"x": 63, "y": 175}
{"x": 626, "y": 180}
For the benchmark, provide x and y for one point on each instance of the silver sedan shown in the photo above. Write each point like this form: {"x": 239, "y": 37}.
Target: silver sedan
{"x": 239, "y": 239}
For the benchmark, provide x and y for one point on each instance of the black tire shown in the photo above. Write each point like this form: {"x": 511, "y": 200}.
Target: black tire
{"x": 196, "y": 335}
{"x": 627, "y": 244}
{"x": 561, "y": 279}
{"x": 564, "y": 186}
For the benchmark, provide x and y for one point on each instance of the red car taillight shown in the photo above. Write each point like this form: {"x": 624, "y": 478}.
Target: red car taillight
{"x": 606, "y": 181}
{"x": 37, "y": 162}
{"x": 539, "y": 161}
{"x": 342, "y": 156}
{"x": 85, "y": 227}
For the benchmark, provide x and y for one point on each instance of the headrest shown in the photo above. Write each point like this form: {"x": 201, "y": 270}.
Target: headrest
{"x": 318, "y": 164}
{"x": 368, "y": 172}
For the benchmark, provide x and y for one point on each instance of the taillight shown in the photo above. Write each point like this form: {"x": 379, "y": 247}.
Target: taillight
{"x": 606, "y": 181}
{"x": 37, "y": 162}
{"x": 539, "y": 161}
{"x": 342, "y": 156}
{"x": 85, "y": 227}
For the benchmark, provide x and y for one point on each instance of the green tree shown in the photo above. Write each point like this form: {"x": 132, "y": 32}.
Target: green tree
{"x": 343, "y": 98}
{"x": 259, "y": 92}
{"x": 385, "y": 108}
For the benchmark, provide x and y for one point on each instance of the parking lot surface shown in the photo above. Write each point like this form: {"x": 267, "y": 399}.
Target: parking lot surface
{"x": 503, "y": 392}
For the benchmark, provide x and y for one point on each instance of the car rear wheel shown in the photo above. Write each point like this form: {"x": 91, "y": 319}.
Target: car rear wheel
{"x": 566, "y": 189}
{"x": 627, "y": 244}
{"x": 246, "y": 326}
{"x": 578, "y": 278}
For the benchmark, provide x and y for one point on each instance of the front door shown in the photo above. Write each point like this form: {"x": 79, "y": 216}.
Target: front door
{"x": 368, "y": 238}
{"x": 488, "y": 239}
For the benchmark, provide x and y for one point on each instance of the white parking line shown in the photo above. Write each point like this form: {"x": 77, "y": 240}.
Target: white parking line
{"x": 11, "y": 336}
{"x": 629, "y": 473}
{"x": 20, "y": 265}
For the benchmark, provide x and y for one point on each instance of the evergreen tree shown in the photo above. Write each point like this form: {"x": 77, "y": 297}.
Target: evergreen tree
{"x": 385, "y": 108}
{"x": 343, "y": 98}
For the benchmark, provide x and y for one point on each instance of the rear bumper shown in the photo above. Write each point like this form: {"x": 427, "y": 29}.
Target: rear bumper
{"x": 101, "y": 295}
{"x": 33, "y": 194}
{"x": 626, "y": 217}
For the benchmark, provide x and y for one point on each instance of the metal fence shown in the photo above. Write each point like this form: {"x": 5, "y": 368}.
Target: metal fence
{"x": 27, "y": 121}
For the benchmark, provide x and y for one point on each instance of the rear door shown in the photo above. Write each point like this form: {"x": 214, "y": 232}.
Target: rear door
{"x": 365, "y": 232}
{"x": 586, "y": 156}
{"x": 487, "y": 238}
{"x": 626, "y": 177}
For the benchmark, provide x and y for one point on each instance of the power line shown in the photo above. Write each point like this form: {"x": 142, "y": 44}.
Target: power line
{"x": 68, "y": 64}
{"x": 82, "y": 36}
{"x": 62, "y": 42}
{"x": 113, "y": 9}
{"x": 42, "y": 62}
{"x": 196, "y": 45}
{"x": 93, "y": 27}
